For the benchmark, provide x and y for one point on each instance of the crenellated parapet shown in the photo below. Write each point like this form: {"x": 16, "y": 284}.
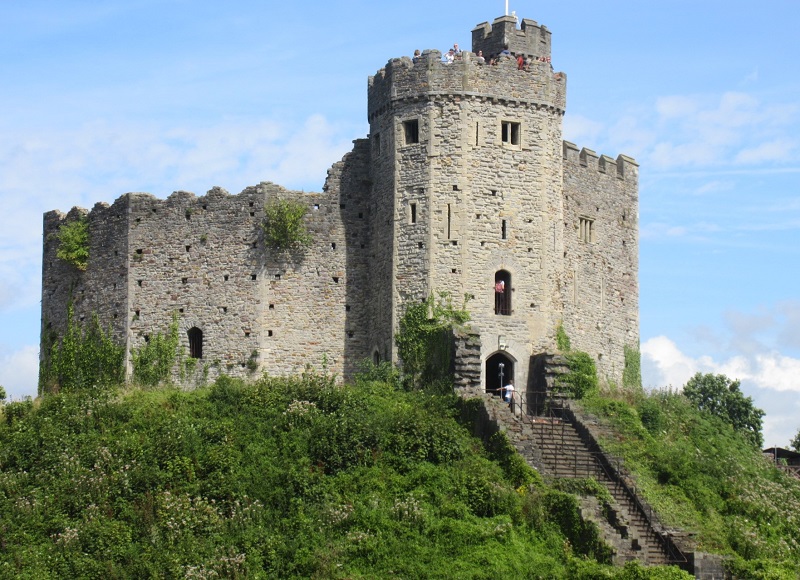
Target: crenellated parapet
{"x": 402, "y": 79}
{"x": 623, "y": 167}
{"x": 531, "y": 39}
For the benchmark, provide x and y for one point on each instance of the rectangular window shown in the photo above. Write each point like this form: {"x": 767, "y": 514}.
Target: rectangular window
{"x": 504, "y": 231}
{"x": 377, "y": 138}
{"x": 413, "y": 215}
{"x": 510, "y": 132}
{"x": 411, "y": 131}
{"x": 586, "y": 230}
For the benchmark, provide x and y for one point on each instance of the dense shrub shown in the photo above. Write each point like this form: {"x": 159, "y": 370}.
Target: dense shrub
{"x": 292, "y": 477}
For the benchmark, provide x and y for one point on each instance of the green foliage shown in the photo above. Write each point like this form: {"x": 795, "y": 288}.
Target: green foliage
{"x": 2, "y": 394}
{"x": 282, "y": 478}
{"x": 73, "y": 242}
{"x": 699, "y": 474}
{"x": 632, "y": 373}
{"x": 424, "y": 341}
{"x": 82, "y": 359}
{"x": 795, "y": 443}
{"x": 284, "y": 226}
{"x": 562, "y": 340}
{"x": 581, "y": 380}
{"x": 721, "y": 396}
{"x": 154, "y": 360}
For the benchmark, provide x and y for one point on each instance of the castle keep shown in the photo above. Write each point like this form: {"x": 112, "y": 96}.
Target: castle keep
{"x": 463, "y": 185}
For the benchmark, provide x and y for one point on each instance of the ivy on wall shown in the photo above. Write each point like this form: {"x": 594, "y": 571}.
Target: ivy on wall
{"x": 582, "y": 376}
{"x": 424, "y": 343}
{"x": 82, "y": 359}
{"x": 153, "y": 361}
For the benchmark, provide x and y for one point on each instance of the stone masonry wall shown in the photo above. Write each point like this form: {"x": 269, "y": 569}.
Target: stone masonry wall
{"x": 102, "y": 288}
{"x": 601, "y": 287}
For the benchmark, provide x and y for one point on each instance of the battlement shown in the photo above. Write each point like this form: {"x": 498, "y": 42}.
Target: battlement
{"x": 402, "y": 79}
{"x": 530, "y": 40}
{"x": 623, "y": 167}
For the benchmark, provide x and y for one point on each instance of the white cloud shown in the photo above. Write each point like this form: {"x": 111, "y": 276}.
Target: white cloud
{"x": 19, "y": 372}
{"x": 778, "y": 150}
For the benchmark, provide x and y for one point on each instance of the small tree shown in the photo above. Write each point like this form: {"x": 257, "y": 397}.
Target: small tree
{"x": 73, "y": 242}
{"x": 721, "y": 396}
{"x": 2, "y": 394}
{"x": 795, "y": 443}
{"x": 284, "y": 226}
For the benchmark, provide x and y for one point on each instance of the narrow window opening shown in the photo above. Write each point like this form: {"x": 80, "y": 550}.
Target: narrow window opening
{"x": 336, "y": 279}
{"x": 347, "y": 308}
{"x": 225, "y": 277}
{"x": 253, "y": 276}
{"x": 184, "y": 280}
{"x": 510, "y": 133}
{"x": 504, "y": 230}
{"x": 377, "y": 137}
{"x": 413, "y": 213}
{"x": 272, "y": 307}
{"x": 188, "y": 248}
{"x": 502, "y": 292}
{"x": 251, "y": 204}
{"x": 333, "y": 245}
{"x": 477, "y": 133}
{"x": 252, "y": 214}
{"x": 350, "y": 334}
{"x": 269, "y": 333}
{"x": 411, "y": 131}
{"x": 449, "y": 221}
{"x": 180, "y": 310}
{"x": 195, "y": 342}
{"x": 586, "y": 230}
{"x": 139, "y": 282}
{"x": 246, "y": 333}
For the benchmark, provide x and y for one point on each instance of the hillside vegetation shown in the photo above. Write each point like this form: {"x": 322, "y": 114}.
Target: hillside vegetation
{"x": 283, "y": 478}
{"x": 704, "y": 474}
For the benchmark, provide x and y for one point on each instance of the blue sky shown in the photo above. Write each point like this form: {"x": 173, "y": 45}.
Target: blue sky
{"x": 102, "y": 97}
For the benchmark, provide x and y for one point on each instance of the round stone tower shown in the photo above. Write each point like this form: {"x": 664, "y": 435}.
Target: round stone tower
{"x": 467, "y": 184}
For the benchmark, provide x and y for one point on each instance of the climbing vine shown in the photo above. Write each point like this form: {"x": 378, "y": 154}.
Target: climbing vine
{"x": 82, "y": 358}
{"x": 73, "y": 242}
{"x": 284, "y": 226}
{"x": 153, "y": 361}
{"x": 632, "y": 373}
{"x": 423, "y": 340}
{"x": 582, "y": 376}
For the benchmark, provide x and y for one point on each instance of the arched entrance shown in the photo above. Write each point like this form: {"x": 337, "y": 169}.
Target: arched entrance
{"x": 493, "y": 369}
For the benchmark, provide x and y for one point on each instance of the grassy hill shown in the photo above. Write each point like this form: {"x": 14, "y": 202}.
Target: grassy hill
{"x": 704, "y": 476}
{"x": 283, "y": 478}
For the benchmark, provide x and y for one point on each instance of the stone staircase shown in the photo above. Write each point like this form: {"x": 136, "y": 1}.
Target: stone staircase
{"x": 560, "y": 446}
{"x": 564, "y": 454}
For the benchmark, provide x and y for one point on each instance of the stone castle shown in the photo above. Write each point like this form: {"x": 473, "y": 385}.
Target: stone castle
{"x": 464, "y": 185}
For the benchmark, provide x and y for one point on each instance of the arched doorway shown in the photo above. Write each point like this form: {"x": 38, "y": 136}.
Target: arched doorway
{"x": 493, "y": 369}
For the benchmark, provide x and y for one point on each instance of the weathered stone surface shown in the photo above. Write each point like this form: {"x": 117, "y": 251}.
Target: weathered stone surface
{"x": 464, "y": 174}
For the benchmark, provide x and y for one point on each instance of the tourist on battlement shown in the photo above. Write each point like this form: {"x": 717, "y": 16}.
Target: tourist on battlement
{"x": 449, "y": 57}
{"x": 479, "y": 57}
{"x": 417, "y": 56}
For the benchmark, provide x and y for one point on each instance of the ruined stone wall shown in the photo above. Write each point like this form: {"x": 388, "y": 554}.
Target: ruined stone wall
{"x": 102, "y": 288}
{"x": 204, "y": 259}
{"x": 601, "y": 288}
